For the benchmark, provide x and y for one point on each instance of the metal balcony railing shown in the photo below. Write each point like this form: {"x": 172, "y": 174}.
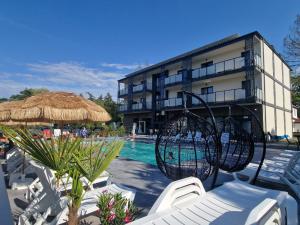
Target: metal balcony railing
{"x": 177, "y": 78}
{"x": 257, "y": 60}
{"x": 227, "y": 65}
{"x": 172, "y": 102}
{"x": 137, "y": 88}
{"x": 142, "y": 106}
{"x": 123, "y": 91}
{"x": 142, "y": 87}
{"x": 226, "y": 96}
{"x": 123, "y": 107}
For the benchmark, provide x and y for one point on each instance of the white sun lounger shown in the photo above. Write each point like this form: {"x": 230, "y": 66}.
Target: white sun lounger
{"x": 291, "y": 177}
{"x": 66, "y": 184}
{"x": 185, "y": 202}
{"x": 271, "y": 169}
{"x": 48, "y": 201}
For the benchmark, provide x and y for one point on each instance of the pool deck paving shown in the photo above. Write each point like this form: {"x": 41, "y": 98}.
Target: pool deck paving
{"x": 147, "y": 180}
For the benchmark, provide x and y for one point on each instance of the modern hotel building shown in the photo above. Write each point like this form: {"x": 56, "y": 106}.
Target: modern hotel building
{"x": 238, "y": 69}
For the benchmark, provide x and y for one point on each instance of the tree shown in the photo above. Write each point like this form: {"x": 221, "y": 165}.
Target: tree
{"x": 3, "y": 100}
{"x": 27, "y": 93}
{"x": 292, "y": 55}
{"x": 292, "y": 44}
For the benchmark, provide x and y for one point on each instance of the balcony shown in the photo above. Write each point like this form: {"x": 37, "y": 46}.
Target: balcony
{"x": 226, "y": 96}
{"x": 220, "y": 67}
{"x": 137, "y": 88}
{"x": 172, "y": 102}
{"x": 142, "y": 106}
{"x": 257, "y": 60}
{"x": 173, "y": 79}
{"x": 141, "y": 87}
{"x": 123, "y": 108}
{"x": 123, "y": 91}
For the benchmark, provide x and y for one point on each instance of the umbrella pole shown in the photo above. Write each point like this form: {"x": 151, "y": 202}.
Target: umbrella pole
{"x": 24, "y": 158}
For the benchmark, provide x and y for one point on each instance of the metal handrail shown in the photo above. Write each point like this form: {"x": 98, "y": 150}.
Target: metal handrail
{"x": 227, "y": 65}
{"x": 173, "y": 79}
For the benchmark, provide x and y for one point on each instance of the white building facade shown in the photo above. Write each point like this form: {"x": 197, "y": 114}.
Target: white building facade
{"x": 244, "y": 69}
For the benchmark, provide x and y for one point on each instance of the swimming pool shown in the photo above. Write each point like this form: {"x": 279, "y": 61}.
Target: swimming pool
{"x": 140, "y": 151}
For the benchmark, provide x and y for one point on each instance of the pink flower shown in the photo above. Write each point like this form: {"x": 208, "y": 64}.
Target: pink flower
{"x": 111, "y": 217}
{"x": 127, "y": 219}
{"x": 111, "y": 203}
{"x": 104, "y": 191}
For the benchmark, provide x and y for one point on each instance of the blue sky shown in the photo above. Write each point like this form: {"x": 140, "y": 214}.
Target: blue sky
{"x": 84, "y": 46}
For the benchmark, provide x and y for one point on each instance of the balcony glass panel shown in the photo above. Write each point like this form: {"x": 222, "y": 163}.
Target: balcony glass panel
{"x": 123, "y": 107}
{"x": 195, "y": 74}
{"x": 138, "y": 88}
{"x": 257, "y": 60}
{"x": 229, "y": 95}
{"x": 239, "y": 62}
{"x": 173, "y": 79}
{"x": 220, "y": 67}
{"x": 211, "y": 69}
{"x": 224, "y": 96}
{"x": 219, "y": 96}
{"x": 149, "y": 86}
{"x": 172, "y": 102}
{"x": 258, "y": 94}
{"x": 195, "y": 101}
{"x": 137, "y": 106}
{"x": 229, "y": 65}
{"x": 203, "y": 72}
{"x": 240, "y": 94}
{"x": 149, "y": 105}
{"x": 123, "y": 91}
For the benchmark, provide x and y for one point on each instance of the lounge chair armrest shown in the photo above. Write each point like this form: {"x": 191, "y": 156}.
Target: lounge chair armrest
{"x": 266, "y": 210}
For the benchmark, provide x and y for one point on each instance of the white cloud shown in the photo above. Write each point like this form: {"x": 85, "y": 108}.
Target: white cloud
{"x": 120, "y": 66}
{"x": 67, "y": 76}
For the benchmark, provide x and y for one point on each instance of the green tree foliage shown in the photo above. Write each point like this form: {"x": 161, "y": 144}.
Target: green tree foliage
{"x": 295, "y": 81}
{"x": 108, "y": 104}
{"x": 292, "y": 44}
{"x": 27, "y": 93}
{"x": 292, "y": 55}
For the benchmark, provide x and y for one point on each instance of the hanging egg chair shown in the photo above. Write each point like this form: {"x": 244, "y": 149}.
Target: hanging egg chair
{"x": 237, "y": 146}
{"x": 187, "y": 146}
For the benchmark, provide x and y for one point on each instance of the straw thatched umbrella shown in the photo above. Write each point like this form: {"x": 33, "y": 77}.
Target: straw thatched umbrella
{"x": 7, "y": 107}
{"x": 59, "y": 107}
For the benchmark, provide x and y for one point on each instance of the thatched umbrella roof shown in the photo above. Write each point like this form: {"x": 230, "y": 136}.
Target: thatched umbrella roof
{"x": 59, "y": 107}
{"x": 7, "y": 107}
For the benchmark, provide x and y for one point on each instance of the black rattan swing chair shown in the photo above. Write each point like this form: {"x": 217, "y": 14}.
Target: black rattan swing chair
{"x": 191, "y": 145}
{"x": 237, "y": 144}
{"x": 188, "y": 145}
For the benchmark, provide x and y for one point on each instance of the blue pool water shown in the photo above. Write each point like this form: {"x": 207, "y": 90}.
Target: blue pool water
{"x": 140, "y": 151}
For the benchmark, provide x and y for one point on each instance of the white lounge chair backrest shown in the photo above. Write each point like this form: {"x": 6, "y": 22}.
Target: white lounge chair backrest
{"x": 291, "y": 177}
{"x": 178, "y": 192}
{"x": 45, "y": 175}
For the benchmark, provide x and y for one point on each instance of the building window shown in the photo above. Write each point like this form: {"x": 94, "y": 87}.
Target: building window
{"x": 243, "y": 54}
{"x": 245, "y": 84}
{"x": 179, "y": 94}
{"x": 167, "y": 94}
{"x": 207, "y": 90}
{"x": 207, "y": 64}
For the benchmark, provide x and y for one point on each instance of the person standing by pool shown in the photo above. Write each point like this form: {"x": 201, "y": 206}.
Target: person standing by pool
{"x": 84, "y": 132}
